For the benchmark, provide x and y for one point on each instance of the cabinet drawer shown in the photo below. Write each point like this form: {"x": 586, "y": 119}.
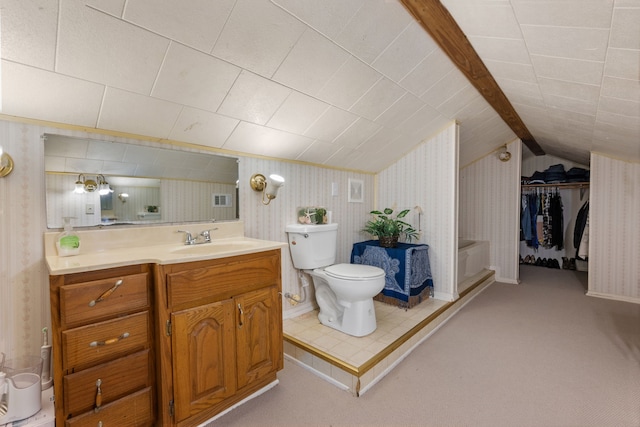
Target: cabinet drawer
{"x": 81, "y": 303}
{"x": 213, "y": 283}
{"x": 96, "y": 343}
{"x": 117, "y": 379}
{"x": 133, "y": 410}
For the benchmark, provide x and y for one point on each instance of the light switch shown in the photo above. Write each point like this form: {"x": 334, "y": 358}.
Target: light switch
{"x": 90, "y": 209}
{"x": 334, "y": 189}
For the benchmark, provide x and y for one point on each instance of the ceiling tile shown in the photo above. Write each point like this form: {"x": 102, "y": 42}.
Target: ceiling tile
{"x": 375, "y": 25}
{"x": 445, "y": 88}
{"x": 318, "y": 152}
{"x": 511, "y": 71}
{"x": 112, "y": 7}
{"x": 621, "y": 88}
{"x": 29, "y": 32}
{"x": 405, "y": 52}
{"x": 258, "y": 36}
{"x": 620, "y": 121}
{"x": 570, "y": 104}
{"x": 457, "y": 102}
{"x": 328, "y": 17}
{"x": 569, "y": 89}
{"x": 589, "y": 44}
{"x": 357, "y": 133}
{"x": 572, "y": 70}
{"x": 142, "y": 115}
{"x": 501, "y": 49}
{"x": 484, "y": 18}
{"x": 248, "y": 137}
{"x": 349, "y": 83}
{"x": 196, "y": 23}
{"x": 378, "y": 99}
{"x": 202, "y": 127}
{"x": 619, "y": 106}
{"x": 625, "y": 29}
{"x": 253, "y": 98}
{"x": 297, "y": 113}
{"x": 111, "y": 151}
{"x": 530, "y": 90}
{"x": 330, "y": 124}
{"x": 427, "y": 73}
{"x": 565, "y": 13}
{"x": 81, "y": 103}
{"x": 311, "y": 62}
{"x": 194, "y": 78}
{"x": 406, "y": 106}
{"x": 97, "y": 47}
{"x": 623, "y": 63}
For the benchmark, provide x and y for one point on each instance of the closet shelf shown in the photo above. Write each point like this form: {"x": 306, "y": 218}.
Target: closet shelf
{"x": 567, "y": 185}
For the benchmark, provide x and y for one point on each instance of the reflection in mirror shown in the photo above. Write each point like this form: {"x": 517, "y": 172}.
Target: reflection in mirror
{"x": 146, "y": 184}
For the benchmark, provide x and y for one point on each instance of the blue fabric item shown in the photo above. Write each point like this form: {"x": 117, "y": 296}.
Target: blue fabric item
{"x": 537, "y": 178}
{"x": 533, "y": 211}
{"x": 407, "y": 268}
{"x": 555, "y": 174}
{"x": 525, "y": 218}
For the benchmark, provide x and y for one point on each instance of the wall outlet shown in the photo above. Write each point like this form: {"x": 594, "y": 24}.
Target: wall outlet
{"x": 90, "y": 209}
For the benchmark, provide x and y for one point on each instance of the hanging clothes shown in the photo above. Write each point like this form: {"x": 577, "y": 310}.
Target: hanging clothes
{"x": 541, "y": 220}
{"x": 582, "y": 221}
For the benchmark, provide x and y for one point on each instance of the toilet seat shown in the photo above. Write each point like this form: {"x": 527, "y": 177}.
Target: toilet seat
{"x": 354, "y": 271}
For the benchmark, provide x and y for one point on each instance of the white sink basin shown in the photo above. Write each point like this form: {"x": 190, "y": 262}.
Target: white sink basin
{"x": 216, "y": 247}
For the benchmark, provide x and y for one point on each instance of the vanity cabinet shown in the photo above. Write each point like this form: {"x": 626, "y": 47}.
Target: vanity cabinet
{"x": 103, "y": 347}
{"x": 222, "y": 335}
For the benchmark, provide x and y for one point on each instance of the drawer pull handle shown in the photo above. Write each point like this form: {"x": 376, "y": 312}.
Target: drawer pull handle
{"x": 106, "y": 294}
{"x": 241, "y": 316}
{"x": 109, "y": 341}
{"x": 98, "y": 396}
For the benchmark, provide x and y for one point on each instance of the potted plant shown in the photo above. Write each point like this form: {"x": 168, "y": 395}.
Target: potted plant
{"x": 388, "y": 229}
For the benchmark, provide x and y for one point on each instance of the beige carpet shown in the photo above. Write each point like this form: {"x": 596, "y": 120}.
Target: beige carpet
{"x": 536, "y": 354}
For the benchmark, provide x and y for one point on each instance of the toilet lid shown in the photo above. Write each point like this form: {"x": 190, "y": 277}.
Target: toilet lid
{"x": 354, "y": 271}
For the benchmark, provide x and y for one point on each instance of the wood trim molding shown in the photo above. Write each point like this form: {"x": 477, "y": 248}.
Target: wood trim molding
{"x": 438, "y": 22}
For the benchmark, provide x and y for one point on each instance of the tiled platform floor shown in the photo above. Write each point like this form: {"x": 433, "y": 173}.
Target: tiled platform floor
{"x": 356, "y": 364}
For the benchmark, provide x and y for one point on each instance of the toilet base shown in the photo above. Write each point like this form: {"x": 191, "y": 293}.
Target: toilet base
{"x": 358, "y": 320}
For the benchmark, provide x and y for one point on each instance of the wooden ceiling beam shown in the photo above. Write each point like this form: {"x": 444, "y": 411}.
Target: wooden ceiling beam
{"x": 438, "y": 22}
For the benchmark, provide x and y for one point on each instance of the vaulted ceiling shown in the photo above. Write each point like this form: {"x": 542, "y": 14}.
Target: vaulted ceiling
{"x": 344, "y": 83}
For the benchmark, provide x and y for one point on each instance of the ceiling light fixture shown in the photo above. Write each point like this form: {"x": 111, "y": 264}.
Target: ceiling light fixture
{"x": 504, "y": 155}
{"x": 268, "y": 187}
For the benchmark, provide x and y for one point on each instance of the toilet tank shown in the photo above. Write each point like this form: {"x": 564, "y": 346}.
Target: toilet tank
{"x": 312, "y": 246}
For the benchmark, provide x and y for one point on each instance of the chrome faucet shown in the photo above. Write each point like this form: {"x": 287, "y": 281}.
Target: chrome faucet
{"x": 206, "y": 235}
{"x": 189, "y": 239}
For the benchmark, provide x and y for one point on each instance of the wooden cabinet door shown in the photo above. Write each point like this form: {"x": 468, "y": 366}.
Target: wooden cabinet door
{"x": 259, "y": 334}
{"x": 203, "y": 341}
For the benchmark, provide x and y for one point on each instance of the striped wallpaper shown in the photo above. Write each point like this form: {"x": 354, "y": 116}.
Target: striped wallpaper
{"x": 427, "y": 177}
{"x": 490, "y": 209}
{"x": 614, "y": 229}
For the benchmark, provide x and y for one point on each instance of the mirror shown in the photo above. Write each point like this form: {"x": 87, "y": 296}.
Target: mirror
{"x": 143, "y": 184}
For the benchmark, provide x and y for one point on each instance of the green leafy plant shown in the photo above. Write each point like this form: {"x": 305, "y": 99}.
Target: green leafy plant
{"x": 385, "y": 225}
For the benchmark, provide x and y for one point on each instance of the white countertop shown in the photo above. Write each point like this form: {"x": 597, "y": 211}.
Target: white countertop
{"x": 101, "y": 249}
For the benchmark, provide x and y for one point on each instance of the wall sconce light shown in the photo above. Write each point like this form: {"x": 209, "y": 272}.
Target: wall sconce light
{"x": 84, "y": 185}
{"x": 6, "y": 163}
{"x": 123, "y": 197}
{"x": 504, "y": 155}
{"x": 103, "y": 185}
{"x": 268, "y": 187}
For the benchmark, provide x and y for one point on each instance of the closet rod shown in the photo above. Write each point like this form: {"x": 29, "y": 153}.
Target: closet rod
{"x": 558, "y": 185}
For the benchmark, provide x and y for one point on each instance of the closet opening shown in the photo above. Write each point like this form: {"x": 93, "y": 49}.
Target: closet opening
{"x": 554, "y": 219}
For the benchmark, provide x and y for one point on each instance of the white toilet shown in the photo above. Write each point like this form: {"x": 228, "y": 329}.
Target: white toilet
{"x": 344, "y": 292}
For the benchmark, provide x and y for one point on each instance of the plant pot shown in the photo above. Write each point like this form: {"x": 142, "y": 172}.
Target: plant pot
{"x": 388, "y": 241}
